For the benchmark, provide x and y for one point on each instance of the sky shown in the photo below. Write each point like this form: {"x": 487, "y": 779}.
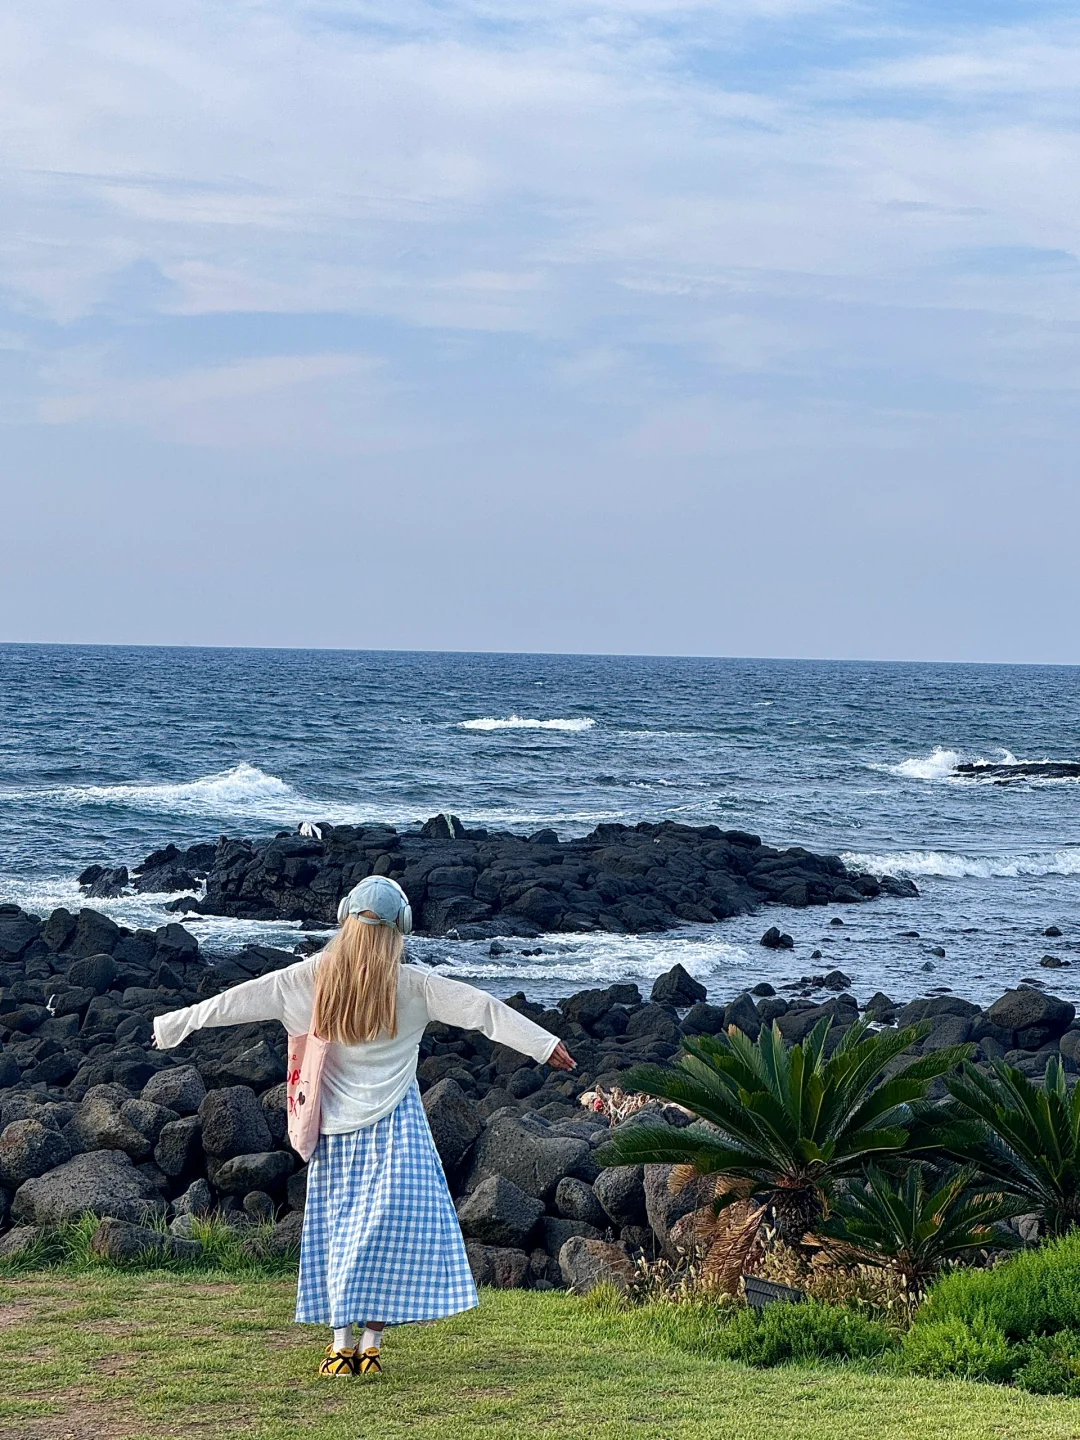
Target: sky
{"x": 644, "y": 326}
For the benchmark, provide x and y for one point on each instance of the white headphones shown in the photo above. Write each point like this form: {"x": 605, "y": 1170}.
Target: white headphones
{"x": 387, "y": 901}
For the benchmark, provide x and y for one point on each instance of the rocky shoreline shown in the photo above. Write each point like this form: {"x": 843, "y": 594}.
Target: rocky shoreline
{"x": 475, "y": 884}
{"x": 93, "y": 1119}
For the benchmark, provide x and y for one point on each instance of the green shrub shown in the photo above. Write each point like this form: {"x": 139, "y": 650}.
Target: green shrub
{"x": 970, "y": 1349}
{"x": 807, "y": 1332}
{"x": 1035, "y": 1293}
{"x": 1052, "y": 1366}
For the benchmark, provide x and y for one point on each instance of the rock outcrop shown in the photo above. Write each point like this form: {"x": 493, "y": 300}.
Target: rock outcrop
{"x": 478, "y": 883}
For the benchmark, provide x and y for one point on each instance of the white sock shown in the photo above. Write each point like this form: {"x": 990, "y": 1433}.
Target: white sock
{"x": 371, "y": 1340}
{"x": 344, "y": 1339}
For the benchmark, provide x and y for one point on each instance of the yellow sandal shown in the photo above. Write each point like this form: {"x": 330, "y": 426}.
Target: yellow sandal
{"x": 370, "y": 1364}
{"x": 341, "y": 1362}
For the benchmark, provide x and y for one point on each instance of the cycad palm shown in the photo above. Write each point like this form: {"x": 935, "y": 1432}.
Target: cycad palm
{"x": 783, "y": 1124}
{"x": 1024, "y": 1137}
{"x": 902, "y": 1226}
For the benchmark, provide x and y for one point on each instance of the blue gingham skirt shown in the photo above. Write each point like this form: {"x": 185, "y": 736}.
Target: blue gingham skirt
{"x": 381, "y": 1239}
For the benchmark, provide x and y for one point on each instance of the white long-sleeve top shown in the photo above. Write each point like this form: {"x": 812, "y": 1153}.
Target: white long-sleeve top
{"x": 362, "y": 1083}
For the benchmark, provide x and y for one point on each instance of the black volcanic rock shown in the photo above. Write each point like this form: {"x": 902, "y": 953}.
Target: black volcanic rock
{"x": 476, "y": 883}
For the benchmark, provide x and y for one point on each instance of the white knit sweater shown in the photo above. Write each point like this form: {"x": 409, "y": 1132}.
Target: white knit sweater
{"x": 362, "y": 1083}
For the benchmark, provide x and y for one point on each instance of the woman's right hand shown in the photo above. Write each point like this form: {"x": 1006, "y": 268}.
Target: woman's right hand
{"x": 561, "y": 1059}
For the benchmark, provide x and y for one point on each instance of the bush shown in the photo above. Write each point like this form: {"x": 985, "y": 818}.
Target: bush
{"x": 1053, "y": 1365}
{"x": 802, "y": 1333}
{"x": 970, "y": 1349}
{"x": 1035, "y": 1293}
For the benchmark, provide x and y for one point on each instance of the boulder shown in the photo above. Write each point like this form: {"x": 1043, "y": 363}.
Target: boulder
{"x": 179, "y": 1088}
{"x": 259, "y": 1206}
{"x": 454, "y": 1120}
{"x": 16, "y": 1242}
{"x": 273, "y": 1105}
{"x": 17, "y": 933}
{"x": 29, "y": 1148}
{"x": 555, "y": 1231}
{"x": 532, "y": 1161}
{"x": 179, "y": 1146}
{"x": 287, "y": 1233}
{"x": 621, "y": 1192}
{"x": 296, "y": 1189}
{"x": 586, "y": 1263}
{"x": 233, "y": 1123}
{"x": 499, "y": 1213}
{"x": 703, "y": 1019}
{"x": 504, "y": 1269}
{"x": 259, "y": 1066}
{"x": 678, "y": 987}
{"x": 654, "y": 1022}
{"x": 94, "y": 934}
{"x": 241, "y": 1173}
{"x": 665, "y": 1210}
{"x": 103, "y": 1182}
{"x": 149, "y": 1119}
{"x": 742, "y": 1013}
{"x": 196, "y": 1200}
{"x": 122, "y": 1240}
{"x": 100, "y": 1124}
{"x": 586, "y": 1007}
{"x": 774, "y": 939}
{"x": 575, "y": 1200}
{"x": 1032, "y": 1017}
{"x": 95, "y": 972}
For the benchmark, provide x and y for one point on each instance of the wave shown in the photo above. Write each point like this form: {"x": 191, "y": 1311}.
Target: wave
{"x": 519, "y": 722}
{"x": 941, "y": 764}
{"x": 943, "y": 864}
{"x": 245, "y": 789}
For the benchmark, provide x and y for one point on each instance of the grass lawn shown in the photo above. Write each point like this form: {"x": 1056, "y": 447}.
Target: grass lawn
{"x": 100, "y": 1354}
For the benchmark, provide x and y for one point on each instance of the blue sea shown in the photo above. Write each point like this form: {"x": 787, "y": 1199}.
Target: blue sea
{"x": 109, "y": 752}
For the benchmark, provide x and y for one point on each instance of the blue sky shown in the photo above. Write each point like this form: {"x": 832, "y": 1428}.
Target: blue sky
{"x": 640, "y": 327}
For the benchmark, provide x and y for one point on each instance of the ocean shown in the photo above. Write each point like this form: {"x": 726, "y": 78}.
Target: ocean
{"x": 109, "y": 752}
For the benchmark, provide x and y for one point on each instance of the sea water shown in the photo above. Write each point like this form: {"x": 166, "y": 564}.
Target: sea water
{"x": 109, "y": 752}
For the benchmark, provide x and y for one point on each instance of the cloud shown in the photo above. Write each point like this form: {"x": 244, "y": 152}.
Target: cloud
{"x": 247, "y": 403}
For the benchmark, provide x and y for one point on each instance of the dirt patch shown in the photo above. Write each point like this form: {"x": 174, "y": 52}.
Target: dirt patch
{"x": 83, "y": 1420}
{"x": 15, "y": 1315}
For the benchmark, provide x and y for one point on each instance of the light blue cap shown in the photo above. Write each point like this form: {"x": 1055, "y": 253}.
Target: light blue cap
{"x": 384, "y": 898}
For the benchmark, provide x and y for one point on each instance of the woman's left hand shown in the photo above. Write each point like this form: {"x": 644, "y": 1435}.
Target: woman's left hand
{"x": 561, "y": 1059}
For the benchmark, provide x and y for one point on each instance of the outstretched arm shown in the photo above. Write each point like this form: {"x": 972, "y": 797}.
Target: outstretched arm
{"x": 270, "y": 997}
{"x": 455, "y": 1003}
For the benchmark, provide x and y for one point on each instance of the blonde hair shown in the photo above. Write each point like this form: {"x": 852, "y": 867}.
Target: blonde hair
{"x": 356, "y": 984}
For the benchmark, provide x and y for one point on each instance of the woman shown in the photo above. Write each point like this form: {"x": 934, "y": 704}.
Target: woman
{"x": 381, "y": 1242}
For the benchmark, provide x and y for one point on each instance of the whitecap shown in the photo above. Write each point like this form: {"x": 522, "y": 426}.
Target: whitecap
{"x": 245, "y": 789}
{"x": 520, "y": 722}
{"x": 940, "y": 764}
{"x": 949, "y": 866}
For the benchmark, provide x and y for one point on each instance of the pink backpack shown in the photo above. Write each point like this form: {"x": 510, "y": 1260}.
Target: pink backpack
{"x": 303, "y": 1087}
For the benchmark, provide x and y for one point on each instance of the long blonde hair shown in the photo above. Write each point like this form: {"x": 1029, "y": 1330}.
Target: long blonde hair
{"x": 356, "y": 983}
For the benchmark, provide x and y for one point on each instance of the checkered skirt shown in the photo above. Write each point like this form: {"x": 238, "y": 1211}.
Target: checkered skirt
{"x": 381, "y": 1239}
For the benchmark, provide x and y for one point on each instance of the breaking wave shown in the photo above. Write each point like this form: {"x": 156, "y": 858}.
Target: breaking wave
{"x": 243, "y": 790}
{"x": 941, "y": 764}
{"x": 519, "y": 722}
{"x": 941, "y": 863}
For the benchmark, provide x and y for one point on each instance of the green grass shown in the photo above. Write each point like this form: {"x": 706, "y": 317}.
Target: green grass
{"x": 102, "y": 1354}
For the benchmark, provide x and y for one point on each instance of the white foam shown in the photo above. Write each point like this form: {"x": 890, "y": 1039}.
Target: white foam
{"x": 520, "y": 722}
{"x": 245, "y": 789}
{"x": 939, "y": 765}
{"x": 946, "y": 865}
{"x": 600, "y": 959}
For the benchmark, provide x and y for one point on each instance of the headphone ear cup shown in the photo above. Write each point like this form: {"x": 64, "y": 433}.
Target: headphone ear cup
{"x": 342, "y": 910}
{"x": 404, "y": 920}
